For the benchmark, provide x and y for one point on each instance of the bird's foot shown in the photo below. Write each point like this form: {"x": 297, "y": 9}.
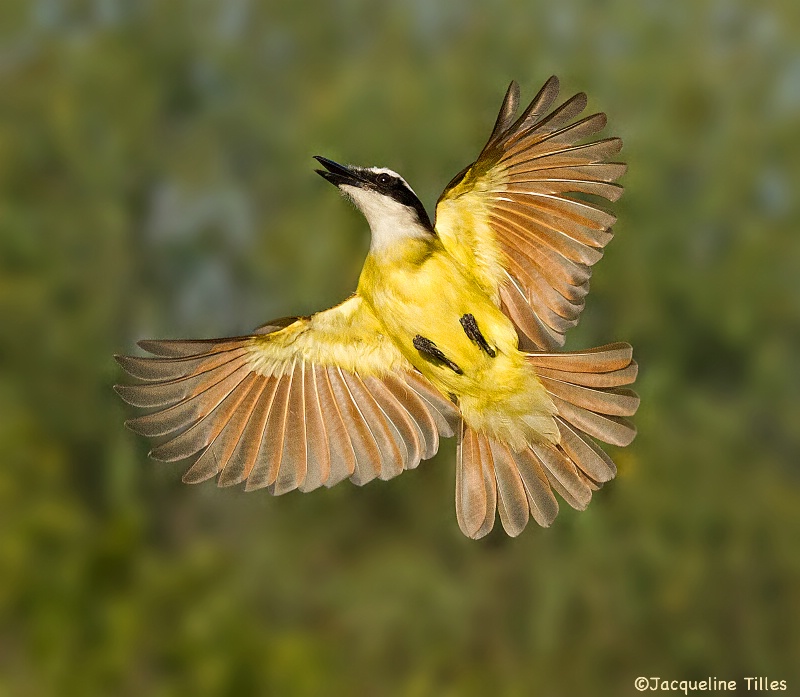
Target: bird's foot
{"x": 431, "y": 351}
{"x": 472, "y": 331}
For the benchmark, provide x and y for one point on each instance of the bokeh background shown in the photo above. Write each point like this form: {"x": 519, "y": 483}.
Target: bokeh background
{"x": 156, "y": 181}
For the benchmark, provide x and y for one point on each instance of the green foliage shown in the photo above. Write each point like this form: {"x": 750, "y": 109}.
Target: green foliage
{"x": 156, "y": 180}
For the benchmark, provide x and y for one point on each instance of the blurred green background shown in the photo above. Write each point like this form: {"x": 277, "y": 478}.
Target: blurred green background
{"x": 156, "y": 180}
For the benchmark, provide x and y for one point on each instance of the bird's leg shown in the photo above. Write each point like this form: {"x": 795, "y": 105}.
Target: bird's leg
{"x": 430, "y": 350}
{"x": 472, "y": 331}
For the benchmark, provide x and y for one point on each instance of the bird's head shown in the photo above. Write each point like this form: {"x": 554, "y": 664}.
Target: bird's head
{"x": 392, "y": 209}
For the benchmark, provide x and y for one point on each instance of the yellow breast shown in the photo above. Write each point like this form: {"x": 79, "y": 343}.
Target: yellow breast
{"x": 420, "y": 290}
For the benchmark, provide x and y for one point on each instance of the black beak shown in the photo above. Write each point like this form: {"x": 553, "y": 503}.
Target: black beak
{"x": 338, "y": 174}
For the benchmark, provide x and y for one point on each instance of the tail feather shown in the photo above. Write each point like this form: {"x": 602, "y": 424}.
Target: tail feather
{"x": 476, "y": 486}
{"x": 602, "y": 359}
{"x": 591, "y": 458}
{"x": 512, "y": 499}
{"x": 588, "y": 390}
{"x": 615, "y": 430}
{"x": 544, "y": 507}
{"x": 614, "y": 401}
{"x": 614, "y": 378}
{"x": 563, "y": 474}
{"x": 487, "y": 469}
{"x": 470, "y": 485}
{"x": 591, "y": 400}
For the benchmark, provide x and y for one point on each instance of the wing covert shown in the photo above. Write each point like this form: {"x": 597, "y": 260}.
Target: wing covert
{"x": 299, "y": 403}
{"x": 511, "y": 215}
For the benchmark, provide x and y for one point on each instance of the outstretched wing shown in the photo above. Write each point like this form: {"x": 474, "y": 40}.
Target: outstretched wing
{"x": 511, "y": 217}
{"x": 298, "y": 404}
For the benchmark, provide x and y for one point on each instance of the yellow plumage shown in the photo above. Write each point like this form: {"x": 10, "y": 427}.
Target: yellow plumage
{"x": 318, "y": 339}
{"x": 418, "y": 288}
{"x": 451, "y": 331}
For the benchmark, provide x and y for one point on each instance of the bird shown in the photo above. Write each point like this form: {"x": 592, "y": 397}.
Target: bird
{"x": 455, "y": 329}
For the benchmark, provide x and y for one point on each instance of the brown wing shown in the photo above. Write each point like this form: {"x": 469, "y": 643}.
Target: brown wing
{"x": 301, "y": 403}
{"x": 510, "y": 216}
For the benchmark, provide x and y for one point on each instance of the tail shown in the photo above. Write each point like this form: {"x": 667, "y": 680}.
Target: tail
{"x": 587, "y": 390}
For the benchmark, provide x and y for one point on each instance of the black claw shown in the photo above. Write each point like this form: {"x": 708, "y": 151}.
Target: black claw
{"x": 427, "y": 348}
{"x": 472, "y": 331}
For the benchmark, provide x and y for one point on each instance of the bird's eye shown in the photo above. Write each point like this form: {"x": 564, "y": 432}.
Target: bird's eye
{"x": 384, "y": 179}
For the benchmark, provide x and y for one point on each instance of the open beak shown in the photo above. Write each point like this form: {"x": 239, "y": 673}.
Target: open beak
{"x": 338, "y": 174}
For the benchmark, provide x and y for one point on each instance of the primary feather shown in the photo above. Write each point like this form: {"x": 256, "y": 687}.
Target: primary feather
{"x": 509, "y": 215}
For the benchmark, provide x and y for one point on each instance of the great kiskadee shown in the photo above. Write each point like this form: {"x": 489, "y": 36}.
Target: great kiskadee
{"x": 452, "y": 330}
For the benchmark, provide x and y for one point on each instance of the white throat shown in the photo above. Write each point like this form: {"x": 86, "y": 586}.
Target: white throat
{"x": 390, "y": 221}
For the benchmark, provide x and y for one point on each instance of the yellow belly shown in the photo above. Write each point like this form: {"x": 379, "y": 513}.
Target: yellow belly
{"x": 427, "y": 296}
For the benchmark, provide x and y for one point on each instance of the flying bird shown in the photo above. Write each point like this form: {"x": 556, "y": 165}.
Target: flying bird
{"x": 454, "y": 329}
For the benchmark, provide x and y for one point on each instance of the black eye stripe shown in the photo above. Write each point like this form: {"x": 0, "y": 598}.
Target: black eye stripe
{"x": 396, "y": 188}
